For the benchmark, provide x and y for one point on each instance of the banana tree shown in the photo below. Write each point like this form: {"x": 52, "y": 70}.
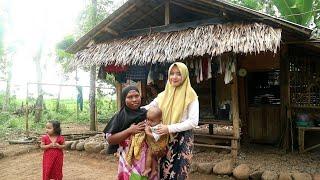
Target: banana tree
{"x": 297, "y": 11}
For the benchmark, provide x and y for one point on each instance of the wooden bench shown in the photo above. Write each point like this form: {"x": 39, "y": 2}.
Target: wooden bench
{"x": 301, "y": 132}
{"x": 211, "y": 122}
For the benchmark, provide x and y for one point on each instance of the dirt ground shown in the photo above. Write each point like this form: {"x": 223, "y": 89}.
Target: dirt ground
{"x": 76, "y": 166}
{"x": 79, "y": 166}
{"x": 24, "y": 161}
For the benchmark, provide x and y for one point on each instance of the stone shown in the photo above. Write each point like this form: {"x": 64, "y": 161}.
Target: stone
{"x": 256, "y": 175}
{"x": 269, "y": 175}
{"x": 80, "y": 146}
{"x": 301, "y": 176}
{"x": 92, "y": 147}
{"x": 223, "y": 168}
{"x": 285, "y": 176}
{"x": 205, "y": 168}
{"x": 316, "y": 177}
{"x": 68, "y": 144}
{"x": 103, "y": 152}
{"x": 193, "y": 167}
{"x": 1, "y": 155}
{"x": 74, "y": 145}
{"x": 241, "y": 172}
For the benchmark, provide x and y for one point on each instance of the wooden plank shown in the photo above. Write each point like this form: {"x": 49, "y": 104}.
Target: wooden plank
{"x": 194, "y": 9}
{"x": 226, "y": 123}
{"x": 284, "y": 97}
{"x": 305, "y": 107}
{"x": 212, "y": 146}
{"x": 111, "y": 31}
{"x": 235, "y": 114}
{"x": 223, "y": 5}
{"x": 164, "y": 28}
{"x": 310, "y": 128}
{"x": 145, "y": 15}
{"x": 125, "y": 12}
{"x": 215, "y": 136}
{"x": 300, "y": 139}
{"x": 312, "y": 147}
{"x": 118, "y": 92}
{"x": 167, "y": 12}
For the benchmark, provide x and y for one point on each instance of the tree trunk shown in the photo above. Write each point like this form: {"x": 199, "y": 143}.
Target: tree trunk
{"x": 39, "y": 103}
{"x": 6, "y": 103}
{"x": 92, "y": 97}
{"x": 58, "y": 99}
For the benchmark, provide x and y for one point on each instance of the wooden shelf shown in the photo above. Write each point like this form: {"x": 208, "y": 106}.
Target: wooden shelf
{"x": 215, "y": 136}
{"x": 310, "y": 128}
{"x": 220, "y": 122}
{"x": 305, "y": 107}
{"x": 212, "y": 146}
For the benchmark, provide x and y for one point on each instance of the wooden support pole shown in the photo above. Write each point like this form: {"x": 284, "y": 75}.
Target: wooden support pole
{"x": 284, "y": 98}
{"x": 167, "y": 12}
{"x": 118, "y": 92}
{"x": 235, "y": 116}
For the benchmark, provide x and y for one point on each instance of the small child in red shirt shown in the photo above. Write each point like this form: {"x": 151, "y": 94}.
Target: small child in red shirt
{"x": 52, "y": 143}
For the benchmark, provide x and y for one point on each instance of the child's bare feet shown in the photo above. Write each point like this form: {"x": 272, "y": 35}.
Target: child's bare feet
{"x": 146, "y": 172}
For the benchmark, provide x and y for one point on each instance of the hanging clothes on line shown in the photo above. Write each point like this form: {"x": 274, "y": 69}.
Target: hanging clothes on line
{"x": 229, "y": 68}
{"x": 115, "y": 68}
{"x": 209, "y": 68}
{"x": 137, "y": 73}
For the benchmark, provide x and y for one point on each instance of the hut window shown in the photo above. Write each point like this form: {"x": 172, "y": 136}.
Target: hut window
{"x": 264, "y": 88}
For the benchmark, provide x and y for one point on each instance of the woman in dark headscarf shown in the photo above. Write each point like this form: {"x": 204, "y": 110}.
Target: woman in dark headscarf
{"x": 128, "y": 121}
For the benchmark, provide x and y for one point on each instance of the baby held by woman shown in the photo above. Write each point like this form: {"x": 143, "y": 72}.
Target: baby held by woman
{"x": 156, "y": 143}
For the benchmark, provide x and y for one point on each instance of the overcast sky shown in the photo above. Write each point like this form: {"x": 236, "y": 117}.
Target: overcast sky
{"x": 34, "y": 22}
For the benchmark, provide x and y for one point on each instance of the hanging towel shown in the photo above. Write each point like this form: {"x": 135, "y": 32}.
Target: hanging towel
{"x": 200, "y": 70}
{"x": 209, "y": 68}
{"x": 205, "y": 68}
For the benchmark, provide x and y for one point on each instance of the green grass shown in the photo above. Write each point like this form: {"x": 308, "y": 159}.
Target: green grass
{"x": 14, "y": 122}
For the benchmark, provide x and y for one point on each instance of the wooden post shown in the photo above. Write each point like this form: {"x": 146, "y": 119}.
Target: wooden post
{"x": 93, "y": 72}
{"x": 167, "y": 12}
{"x": 284, "y": 98}
{"x": 118, "y": 92}
{"x": 235, "y": 116}
{"x": 27, "y": 112}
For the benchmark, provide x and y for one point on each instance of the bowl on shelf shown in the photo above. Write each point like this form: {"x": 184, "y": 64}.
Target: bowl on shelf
{"x": 303, "y": 123}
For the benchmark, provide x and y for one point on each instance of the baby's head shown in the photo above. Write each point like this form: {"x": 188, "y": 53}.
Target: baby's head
{"x": 154, "y": 116}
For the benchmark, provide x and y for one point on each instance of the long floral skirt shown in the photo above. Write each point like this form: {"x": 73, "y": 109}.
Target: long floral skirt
{"x": 176, "y": 163}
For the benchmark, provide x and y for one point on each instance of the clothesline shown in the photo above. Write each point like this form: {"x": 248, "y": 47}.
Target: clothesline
{"x": 202, "y": 68}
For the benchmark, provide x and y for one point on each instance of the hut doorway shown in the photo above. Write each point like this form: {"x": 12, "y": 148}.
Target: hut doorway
{"x": 263, "y": 99}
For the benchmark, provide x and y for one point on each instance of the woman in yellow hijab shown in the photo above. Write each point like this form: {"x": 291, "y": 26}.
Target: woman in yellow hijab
{"x": 180, "y": 114}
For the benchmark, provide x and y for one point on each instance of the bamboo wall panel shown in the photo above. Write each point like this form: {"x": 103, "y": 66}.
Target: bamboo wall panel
{"x": 264, "y": 124}
{"x": 304, "y": 82}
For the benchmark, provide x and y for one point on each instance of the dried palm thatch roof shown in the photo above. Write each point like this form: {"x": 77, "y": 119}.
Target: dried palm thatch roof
{"x": 169, "y": 47}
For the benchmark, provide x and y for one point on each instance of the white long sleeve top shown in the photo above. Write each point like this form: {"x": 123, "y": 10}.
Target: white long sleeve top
{"x": 189, "y": 120}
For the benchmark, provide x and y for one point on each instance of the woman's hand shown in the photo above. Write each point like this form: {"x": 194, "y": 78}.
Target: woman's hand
{"x": 162, "y": 130}
{"x": 136, "y": 128}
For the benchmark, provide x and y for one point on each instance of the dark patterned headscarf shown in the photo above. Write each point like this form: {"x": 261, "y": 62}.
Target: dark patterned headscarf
{"x": 124, "y": 118}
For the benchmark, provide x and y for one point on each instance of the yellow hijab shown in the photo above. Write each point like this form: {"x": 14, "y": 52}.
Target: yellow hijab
{"x": 173, "y": 101}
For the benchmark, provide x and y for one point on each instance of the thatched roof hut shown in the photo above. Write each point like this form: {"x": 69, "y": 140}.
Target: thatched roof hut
{"x": 145, "y": 32}
{"x": 171, "y": 46}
